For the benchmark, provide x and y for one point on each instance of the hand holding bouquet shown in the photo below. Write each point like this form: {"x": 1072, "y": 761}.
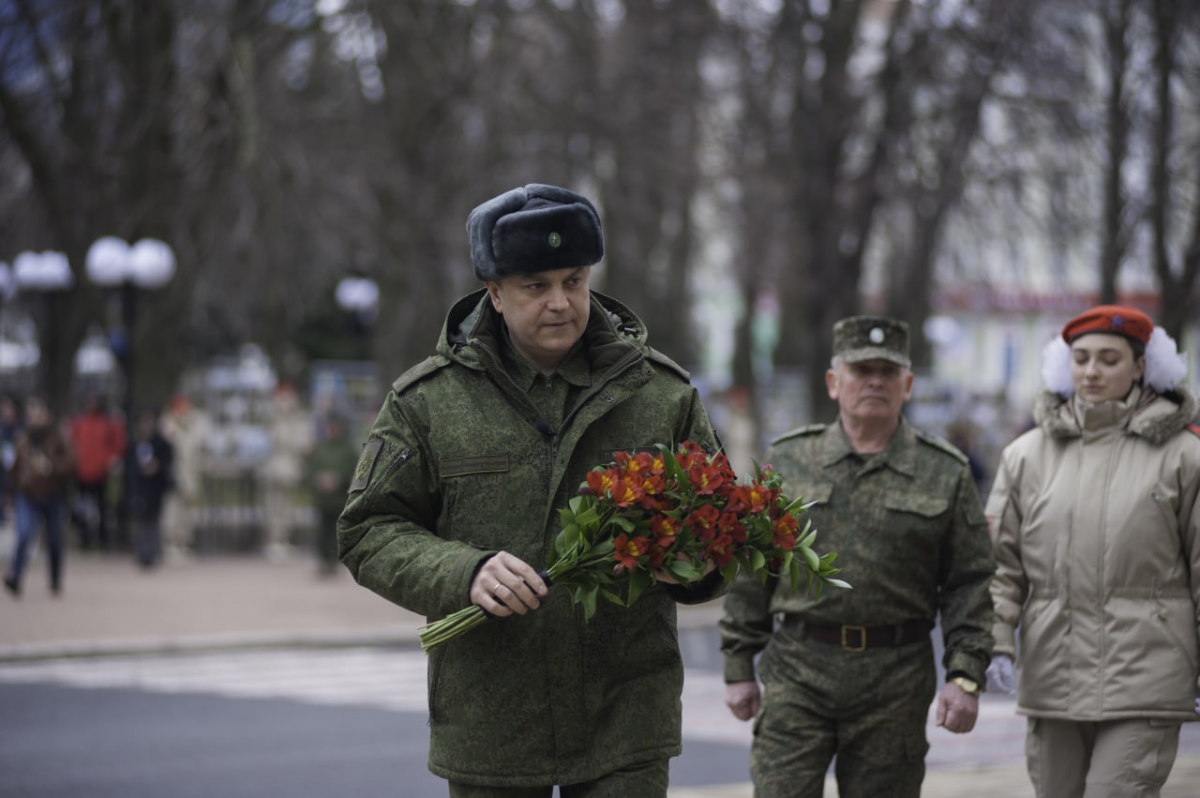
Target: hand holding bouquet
{"x": 673, "y": 517}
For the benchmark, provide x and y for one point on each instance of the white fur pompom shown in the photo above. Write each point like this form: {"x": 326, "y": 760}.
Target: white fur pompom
{"x": 1056, "y": 366}
{"x": 1165, "y": 366}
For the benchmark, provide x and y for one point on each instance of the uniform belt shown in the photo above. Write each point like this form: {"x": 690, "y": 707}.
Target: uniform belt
{"x": 858, "y": 638}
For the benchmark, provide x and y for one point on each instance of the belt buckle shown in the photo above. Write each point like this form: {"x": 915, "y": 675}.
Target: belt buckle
{"x": 862, "y": 638}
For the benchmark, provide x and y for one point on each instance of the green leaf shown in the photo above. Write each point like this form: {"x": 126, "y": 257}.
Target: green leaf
{"x": 808, "y": 539}
{"x": 840, "y": 583}
{"x": 796, "y": 574}
{"x": 624, "y": 523}
{"x": 613, "y": 597}
{"x": 638, "y": 581}
{"x": 601, "y": 549}
{"x": 796, "y": 506}
{"x": 757, "y": 560}
{"x": 683, "y": 570}
{"x": 811, "y": 558}
{"x": 730, "y": 571}
{"x": 589, "y": 603}
{"x": 674, "y": 470}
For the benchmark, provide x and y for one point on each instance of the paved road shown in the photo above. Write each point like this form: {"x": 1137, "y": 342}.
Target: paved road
{"x": 297, "y": 720}
{"x": 259, "y": 669}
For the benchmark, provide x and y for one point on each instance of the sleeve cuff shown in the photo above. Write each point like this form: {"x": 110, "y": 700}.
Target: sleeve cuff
{"x": 1005, "y": 638}
{"x": 961, "y": 664}
{"x": 739, "y": 669}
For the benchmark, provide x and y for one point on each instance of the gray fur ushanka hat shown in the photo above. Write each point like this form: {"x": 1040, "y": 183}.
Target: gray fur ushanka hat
{"x": 534, "y": 229}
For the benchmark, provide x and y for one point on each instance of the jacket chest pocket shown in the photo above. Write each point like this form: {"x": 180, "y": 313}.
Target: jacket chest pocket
{"x": 817, "y": 494}
{"x": 490, "y": 497}
{"x": 916, "y": 516}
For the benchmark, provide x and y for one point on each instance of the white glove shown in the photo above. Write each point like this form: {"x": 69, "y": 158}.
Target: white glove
{"x": 1001, "y": 675}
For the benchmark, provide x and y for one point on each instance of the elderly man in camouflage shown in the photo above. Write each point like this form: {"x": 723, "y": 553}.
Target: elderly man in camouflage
{"x": 852, "y": 674}
{"x": 456, "y": 496}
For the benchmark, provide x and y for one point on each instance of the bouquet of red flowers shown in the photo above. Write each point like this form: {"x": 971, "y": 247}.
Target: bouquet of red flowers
{"x": 669, "y": 513}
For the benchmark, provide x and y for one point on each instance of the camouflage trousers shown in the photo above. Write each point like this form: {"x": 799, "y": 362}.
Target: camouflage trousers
{"x": 868, "y": 708}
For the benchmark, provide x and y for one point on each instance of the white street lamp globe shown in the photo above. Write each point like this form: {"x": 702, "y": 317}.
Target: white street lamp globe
{"x": 357, "y": 293}
{"x": 42, "y": 271}
{"x": 108, "y": 262}
{"x": 152, "y": 263}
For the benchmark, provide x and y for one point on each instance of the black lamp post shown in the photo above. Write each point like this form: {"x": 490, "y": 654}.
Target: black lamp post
{"x": 147, "y": 265}
{"x": 45, "y": 273}
{"x": 360, "y": 296}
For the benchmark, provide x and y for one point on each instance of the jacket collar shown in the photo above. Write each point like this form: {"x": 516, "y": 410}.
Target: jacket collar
{"x": 1154, "y": 417}
{"x": 613, "y": 330}
{"x": 899, "y": 455}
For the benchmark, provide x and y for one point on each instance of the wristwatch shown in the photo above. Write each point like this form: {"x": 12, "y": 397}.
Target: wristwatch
{"x": 968, "y": 686}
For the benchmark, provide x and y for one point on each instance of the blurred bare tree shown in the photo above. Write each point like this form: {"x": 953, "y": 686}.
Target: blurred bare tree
{"x": 817, "y": 157}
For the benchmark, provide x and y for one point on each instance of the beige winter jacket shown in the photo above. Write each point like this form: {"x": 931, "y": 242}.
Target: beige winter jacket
{"x": 1095, "y": 521}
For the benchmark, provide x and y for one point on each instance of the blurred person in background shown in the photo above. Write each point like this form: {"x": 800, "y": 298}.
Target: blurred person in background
{"x": 329, "y": 469}
{"x": 961, "y": 434}
{"x": 1095, "y": 518}
{"x": 40, "y": 476}
{"x": 290, "y": 429}
{"x": 99, "y": 441}
{"x": 186, "y": 427}
{"x": 151, "y": 478}
{"x": 10, "y": 427}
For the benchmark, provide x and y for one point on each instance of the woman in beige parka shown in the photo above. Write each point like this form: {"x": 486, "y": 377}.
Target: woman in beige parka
{"x": 1095, "y": 520}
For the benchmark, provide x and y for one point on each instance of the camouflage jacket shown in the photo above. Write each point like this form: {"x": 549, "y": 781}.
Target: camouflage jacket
{"x": 456, "y": 469}
{"x": 910, "y": 536}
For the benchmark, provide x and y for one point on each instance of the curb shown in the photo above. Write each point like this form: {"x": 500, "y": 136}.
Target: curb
{"x": 189, "y": 644}
{"x": 402, "y": 635}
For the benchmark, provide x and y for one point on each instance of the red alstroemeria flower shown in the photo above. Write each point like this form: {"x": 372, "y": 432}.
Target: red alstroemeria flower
{"x": 627, "y": 549}
{"x": 783, "y": 533}
{"x": 638, "y": 466}
{"x": 657, "y": 555}
{"x": 703, "y": 522}
{"x": 601, "y": 482}
{"x": 720, "y": 551}
{"x": 751, "y": 498}
{"x": 664, "y": 528}
{"x": 652, "y": 484}
{"x": 705, "y": 478}
{"x": 626, "y": 493}
{"x": 730, "y": 524}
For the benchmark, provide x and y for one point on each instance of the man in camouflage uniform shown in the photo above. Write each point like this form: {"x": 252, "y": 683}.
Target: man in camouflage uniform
{"x": 852, "y": 673}
{"x": 456, "y": 499}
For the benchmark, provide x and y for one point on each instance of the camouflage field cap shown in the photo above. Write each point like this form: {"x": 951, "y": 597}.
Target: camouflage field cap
{"x": 860, "y": 338}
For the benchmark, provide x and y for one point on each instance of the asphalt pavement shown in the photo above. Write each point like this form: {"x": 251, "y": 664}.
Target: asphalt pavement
{"x": 109, "y": 606}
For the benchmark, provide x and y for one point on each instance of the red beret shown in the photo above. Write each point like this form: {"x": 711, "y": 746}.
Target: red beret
{"x": 1113, "y": 319}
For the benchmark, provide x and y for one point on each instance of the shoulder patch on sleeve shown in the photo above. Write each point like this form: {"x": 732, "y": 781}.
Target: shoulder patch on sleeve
{"x": 942, "y": 444}
{"x": 659, "y": 357}
{"x": 1194, "y": 429}
{"x": 366, "y": 464}
{"x": 419, "y": 372}
{"x": 807, "y": 429}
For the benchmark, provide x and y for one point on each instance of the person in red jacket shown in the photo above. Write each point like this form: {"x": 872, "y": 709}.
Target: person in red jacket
{"x": 99, "y": 441}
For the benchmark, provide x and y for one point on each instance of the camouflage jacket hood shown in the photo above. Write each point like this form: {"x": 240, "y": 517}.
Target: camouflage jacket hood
{"x": 458, "y": 468}
{"x": 611, "y": 331}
